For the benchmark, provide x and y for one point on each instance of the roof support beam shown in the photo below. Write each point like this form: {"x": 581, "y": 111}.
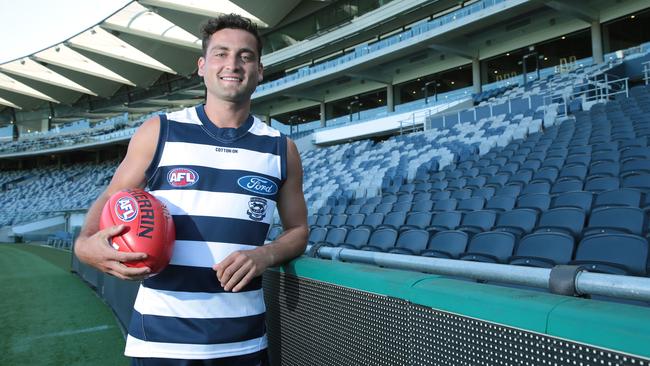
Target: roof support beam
{"x": 191, "y": 92}
{"x": 171, "y": 102}
{"x": 15, "y": 86}
{"x": 578, "y": 10}
{"x": 100, "y": 41}
{"x": 70, "y": 59}
{"x": 304, "y": 96}
{"x": 137, "y": 20}
{"x": 207, "y": 8}
{"x": 376, "y": 77}
{"x": 33, "y": 70}
{"x": 8, "y": 104}
{"x": 454, "y": 50}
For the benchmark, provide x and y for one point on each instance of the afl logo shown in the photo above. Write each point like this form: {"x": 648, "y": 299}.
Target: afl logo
{"x": 182, "y": 177}
{"x": 126, "y": 209}
{"x": 258, "y": 185}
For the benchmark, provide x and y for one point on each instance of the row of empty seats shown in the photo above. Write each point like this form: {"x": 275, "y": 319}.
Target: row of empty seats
{"x": 610, "y": 252}
{"x": 577, "y": 192}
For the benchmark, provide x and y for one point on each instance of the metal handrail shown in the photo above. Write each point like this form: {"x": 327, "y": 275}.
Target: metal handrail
{"x": 585, "y": 283}
{"x": 602, "y": 89}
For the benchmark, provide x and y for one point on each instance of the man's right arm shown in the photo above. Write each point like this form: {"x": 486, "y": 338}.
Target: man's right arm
{"x": 93, "y": 245}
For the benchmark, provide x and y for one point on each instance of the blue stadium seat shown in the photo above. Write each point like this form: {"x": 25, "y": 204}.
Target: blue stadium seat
{"x": 521, "y": 178}
{"x": 569, "y": 185}
{"x": 401, "y": 207}
{"x": 442, "y": 221}
{"x": 354, "y": 221}
{"x": 411, "y": 242}
{"x": 446, "y": 244}
{"x": 445, "y": 205}
{"x": 553, "y": 162}
{"x": 492, "y": 247}
{"x": 404, "y": 197}
{"x": 471, "y": 204}
{"x": 621, "y": 254}
{"x": 422, "y": 206}
{"x": 546, "y": 174}
{"x": 437, "y": 186}
{"x": 393, "y": 220}
{"x": 382, "y": 208}
{"x": 619, "y": 197}
{"x": 477, "y": 221}
{"x": 485, "y": 192}
{"x": 353, "y": 209}
{"x": 335, "y": 236}
{"x": 338, "y": 210}
{"x": 629, "y": 220}
{"x": 568, "y": 220}
{"x": 600, "y": 184}
{"x": 381, "y": 240}
{"x": 373, "y": 220}
{"x": 519, "y": 221}
{"x": 635, "y": 167}
{"x": 508, "y": 190}
{"x": 417, "y": 221}
{"x": 461, "y": 194}
{"x": 579, "y": 199}
{"x": 311, "y": 220}
{"x": 578, "y": 172}
{"x": 638, "y": 181}
{"x": 356, "y": 238}
{"x": 337, "y": 221}
{"x": 441, "y": 195}
{"x": 578, "y": 160}
{"x": 323, "y": 220}
{"x": 317, "y": 234}
{"x": 421, "y": 197}
{"x": 387, "y": 198}
{"x": 537, "y": 201}
{"x": 324, "y": 210}
{"x": 604, "y": 169}
{"x": 544, "y": 250}
{"x": 500, "y": 203}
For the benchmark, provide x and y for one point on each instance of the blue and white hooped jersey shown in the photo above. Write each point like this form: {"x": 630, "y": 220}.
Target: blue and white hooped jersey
{"x": 221, "y": 187}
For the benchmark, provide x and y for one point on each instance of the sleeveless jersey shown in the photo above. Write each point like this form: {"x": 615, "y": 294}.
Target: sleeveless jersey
{"x": 221, "y": 187}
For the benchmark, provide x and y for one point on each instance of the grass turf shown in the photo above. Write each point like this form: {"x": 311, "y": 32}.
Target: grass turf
{"x": 48, "y": 316}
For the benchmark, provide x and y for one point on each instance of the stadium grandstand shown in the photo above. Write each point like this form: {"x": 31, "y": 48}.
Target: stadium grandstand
{"x": 477, "y": 173}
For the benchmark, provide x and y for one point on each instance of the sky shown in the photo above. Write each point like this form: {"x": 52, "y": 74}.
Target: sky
{"x": 28, "y": 26}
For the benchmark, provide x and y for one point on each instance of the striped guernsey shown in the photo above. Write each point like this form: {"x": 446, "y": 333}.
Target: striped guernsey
{"x": 221, "y": 187}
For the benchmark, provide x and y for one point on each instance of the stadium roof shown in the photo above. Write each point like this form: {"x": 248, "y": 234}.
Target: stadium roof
{"x": 133, "y": 47}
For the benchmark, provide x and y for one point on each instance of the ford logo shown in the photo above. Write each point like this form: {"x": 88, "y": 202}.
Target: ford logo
{"x": 258, "y": 185}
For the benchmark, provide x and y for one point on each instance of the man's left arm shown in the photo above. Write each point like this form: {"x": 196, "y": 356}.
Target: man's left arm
{"x": 240, "y": 267}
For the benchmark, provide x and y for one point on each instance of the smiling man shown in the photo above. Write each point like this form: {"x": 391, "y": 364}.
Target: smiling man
{"x": 222, "y": 173}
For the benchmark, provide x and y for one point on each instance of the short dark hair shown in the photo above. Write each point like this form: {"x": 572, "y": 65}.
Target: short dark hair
{"x": 231, "y": 21}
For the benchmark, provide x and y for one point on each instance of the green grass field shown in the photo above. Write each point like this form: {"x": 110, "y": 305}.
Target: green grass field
{"x": 48, "y": 316}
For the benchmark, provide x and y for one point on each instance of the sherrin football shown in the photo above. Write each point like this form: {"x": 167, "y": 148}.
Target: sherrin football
{"x": 149, "y": 227}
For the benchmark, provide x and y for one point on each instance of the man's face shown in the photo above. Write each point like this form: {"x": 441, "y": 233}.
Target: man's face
{"x": 231, "y": 68}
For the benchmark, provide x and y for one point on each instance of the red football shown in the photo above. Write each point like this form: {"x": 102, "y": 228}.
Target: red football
{"x": 149, "y": 227}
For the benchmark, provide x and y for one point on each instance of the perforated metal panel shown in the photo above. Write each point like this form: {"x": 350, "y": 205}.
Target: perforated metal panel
{"x": 313, "y": 323}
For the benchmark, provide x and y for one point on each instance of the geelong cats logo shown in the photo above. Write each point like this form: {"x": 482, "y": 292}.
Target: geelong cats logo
{"x": 257, "y": 208}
